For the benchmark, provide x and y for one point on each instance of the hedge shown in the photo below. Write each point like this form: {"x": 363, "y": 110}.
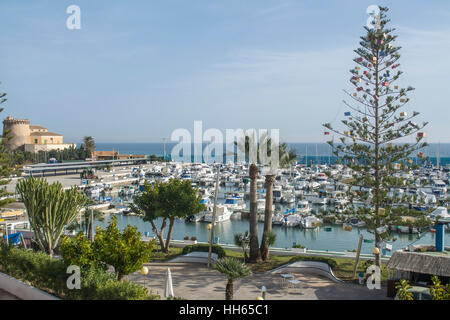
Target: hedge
{"x": 39, "y": 270}
{"x": 332, "y": 263}
{"x": 205, "y": 248}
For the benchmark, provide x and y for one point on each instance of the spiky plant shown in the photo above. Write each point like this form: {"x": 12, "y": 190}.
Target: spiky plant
{"x": 50, "y": 209}
{"x": 242, "y": 240}
{"x": 233, "y": 269}
{"x": 367, "y": 136}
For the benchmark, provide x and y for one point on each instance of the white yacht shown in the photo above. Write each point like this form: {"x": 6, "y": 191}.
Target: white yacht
{"x": 310, "y": 222}
{"x": 277, "y": 194}
{"x": 288, "y": 198}
{"x": 94, "y": 191}
{"x": 235, "y": 203}
{"x": 277, "y": 219}
{"x": 303, "y": 207}
{"x": 292, "y": 220}
{"x": 261, "y": 203}
{"x": 222, "y": 214}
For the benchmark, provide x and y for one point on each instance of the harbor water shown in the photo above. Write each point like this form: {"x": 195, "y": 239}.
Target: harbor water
{"x": 322, "y": 238}
{"x": 317, "y": 239}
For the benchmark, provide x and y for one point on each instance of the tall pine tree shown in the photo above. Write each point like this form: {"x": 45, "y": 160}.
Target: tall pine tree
{"x": 5, "y": 162}
{"x": 373, "y": 124}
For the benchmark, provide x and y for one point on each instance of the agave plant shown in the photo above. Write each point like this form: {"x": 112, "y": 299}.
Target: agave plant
{"x": 233, "y": 269}
{"x": 50, "y": 209}
{"x": 242, "y": 240}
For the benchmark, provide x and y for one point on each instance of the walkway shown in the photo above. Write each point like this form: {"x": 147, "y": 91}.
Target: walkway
{"x": 194, "y": 281}
{"x": 7, "y": 296}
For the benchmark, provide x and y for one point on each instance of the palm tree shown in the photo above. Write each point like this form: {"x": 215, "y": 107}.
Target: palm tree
{"x": 233, "y": 269}
{"x": 255, "y": 254}
{"x": 269, "y": 238}
{"x": 89, "y": 145}
{"x": 270, "y": 180}
{"x": 287, "y": 156}
{"x": 242, "y": 240}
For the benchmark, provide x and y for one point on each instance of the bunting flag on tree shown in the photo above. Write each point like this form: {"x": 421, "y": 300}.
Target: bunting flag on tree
{"x": 371, "y": 152}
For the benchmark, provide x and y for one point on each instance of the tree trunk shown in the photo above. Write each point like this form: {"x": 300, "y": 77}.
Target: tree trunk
{"x": 378, "y": 256}
{"x": 255, "y": 254}
{"x": 229, "y": 290}
{"x": 377, "y": 165}
{"x": 270, "y": 180}
{"x": 160, "y": 234}
{"x": 169, "y": 234}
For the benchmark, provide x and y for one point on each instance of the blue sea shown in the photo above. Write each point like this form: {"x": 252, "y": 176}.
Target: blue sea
{"x": 315, "y": 152}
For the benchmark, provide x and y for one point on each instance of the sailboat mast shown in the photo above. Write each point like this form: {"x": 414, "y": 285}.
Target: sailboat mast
{"x": 317, "y": 155}
{"x": 439, "y": 155}
{"x": 306, "y": 154}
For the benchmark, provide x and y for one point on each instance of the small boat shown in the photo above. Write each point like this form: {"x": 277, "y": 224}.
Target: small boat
{"x": 303, "y": 207}
{"x": 222, "y": 214}
{"x": 277, "y": 219}
{"x": 94, "y": 191}
{"x": 292, "y": 220}
{"x": 235, "y": 203}
{"x": 310, "y": 222}
{"x": 277, "y": 194}
{"x": 205, "y": 200}
{"x": 355, "y": 222}
{"x": 196, "y": 217}
{"x": 288, "y": 198}
{"x": 347, "y": 227}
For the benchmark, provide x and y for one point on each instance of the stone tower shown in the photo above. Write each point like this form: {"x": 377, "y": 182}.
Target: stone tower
{"x": 18, "y": 130}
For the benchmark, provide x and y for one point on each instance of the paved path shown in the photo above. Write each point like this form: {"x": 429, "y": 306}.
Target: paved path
{"x": 7, "y": 296}
{"x": 194, "y": 281}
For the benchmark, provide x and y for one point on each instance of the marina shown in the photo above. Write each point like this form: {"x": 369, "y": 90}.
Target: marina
{"x": 308, "y": 209}
{"x": 309, "y": 202}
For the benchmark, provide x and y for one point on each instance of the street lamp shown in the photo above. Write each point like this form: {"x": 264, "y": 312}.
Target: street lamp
{"x": 144, "y": 272}
{"x": 263, "y": 292}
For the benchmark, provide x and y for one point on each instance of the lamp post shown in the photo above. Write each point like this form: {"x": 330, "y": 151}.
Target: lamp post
{"x": 213, "y": 220}
{"x": 144, "y": 272}
{"x": 263, "y": 292}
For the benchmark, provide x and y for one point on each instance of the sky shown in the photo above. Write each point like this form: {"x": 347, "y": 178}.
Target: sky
{"x": 138, "y": 70}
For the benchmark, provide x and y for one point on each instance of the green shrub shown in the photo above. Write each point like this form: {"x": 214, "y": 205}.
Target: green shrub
{"x": 78, "y": 251}
{"x": 332, "y": 263}
{"x": 98, "y": 284}
{"x": 35, "y": 268}
{"x": 41, "y": 271}
{"x": 205, "y": 248}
